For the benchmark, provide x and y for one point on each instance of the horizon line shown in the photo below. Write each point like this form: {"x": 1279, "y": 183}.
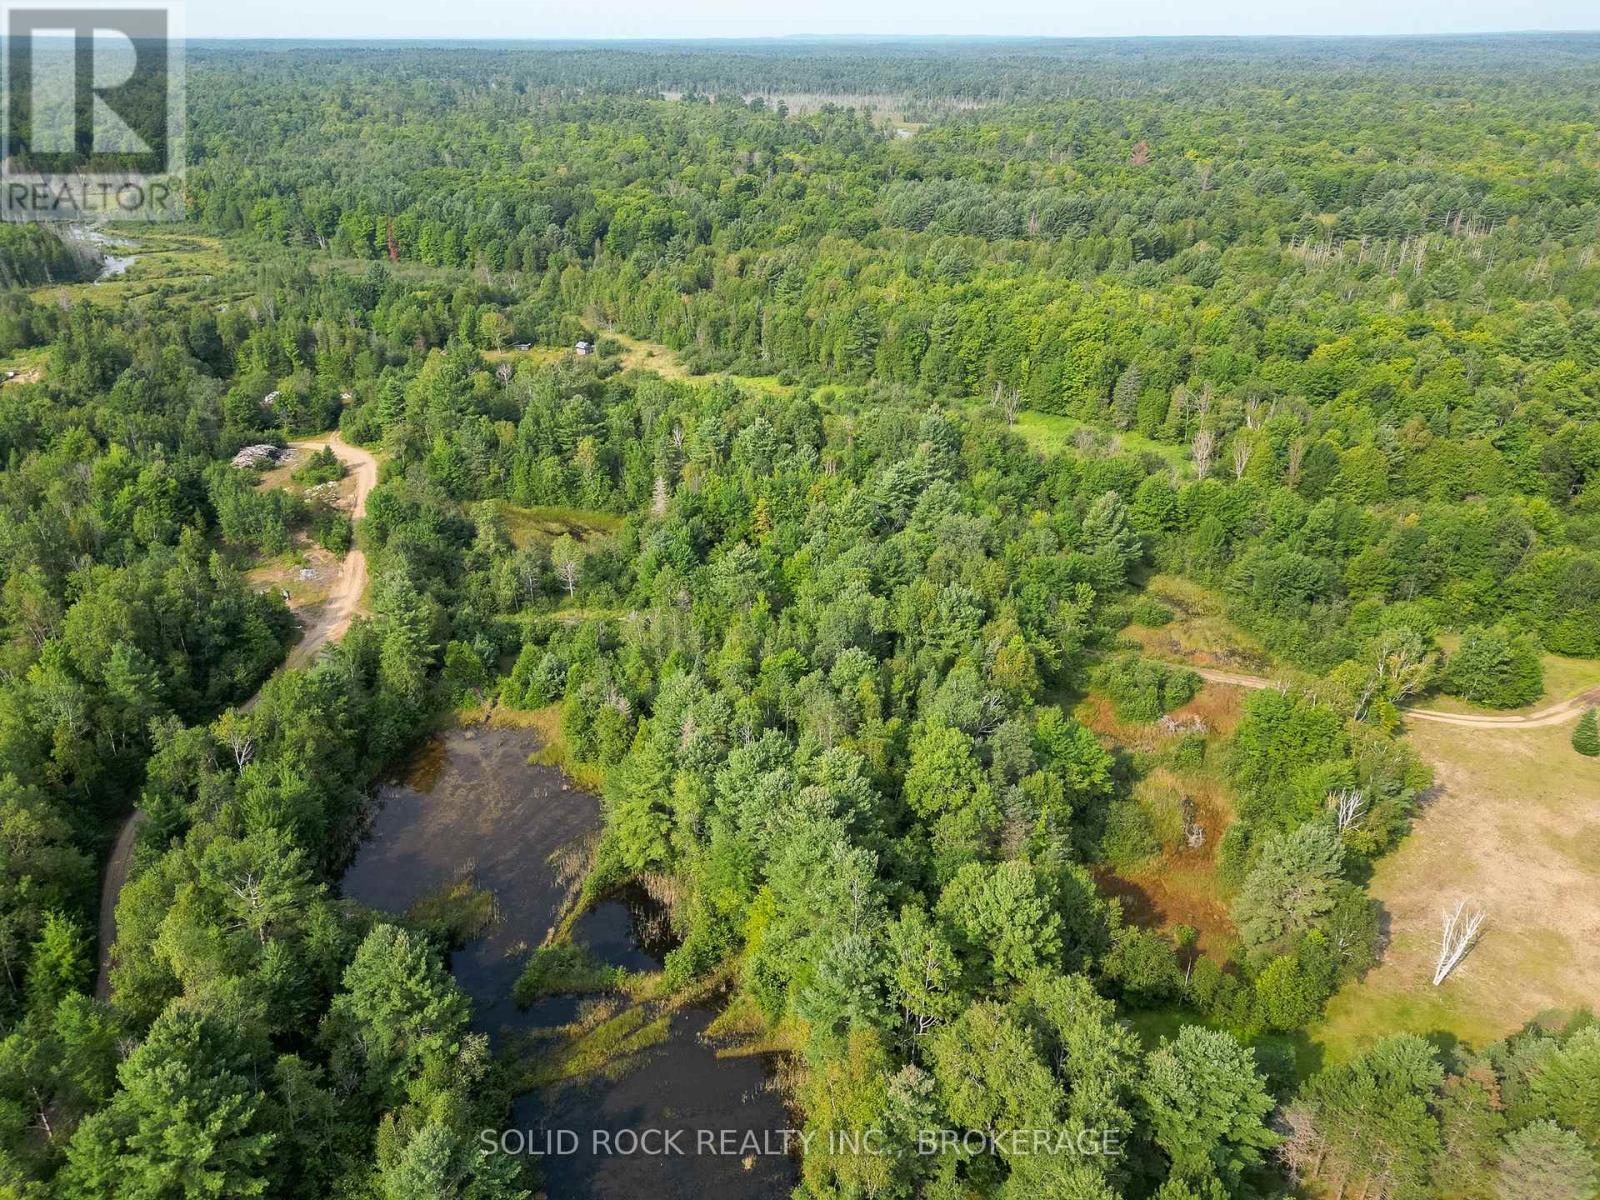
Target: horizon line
{"x": 590, "y": 39}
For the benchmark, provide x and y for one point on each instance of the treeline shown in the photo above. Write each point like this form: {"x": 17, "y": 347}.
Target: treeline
{"x": 38, "y": 253}
{"x": 1406, "y": 336}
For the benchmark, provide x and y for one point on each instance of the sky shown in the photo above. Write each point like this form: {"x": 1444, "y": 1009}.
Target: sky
{"x": 743, "y": 18}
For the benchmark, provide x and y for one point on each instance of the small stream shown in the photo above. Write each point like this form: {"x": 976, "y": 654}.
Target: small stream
{"x": 112, "y": 266}
{"x": 472, "y": 800}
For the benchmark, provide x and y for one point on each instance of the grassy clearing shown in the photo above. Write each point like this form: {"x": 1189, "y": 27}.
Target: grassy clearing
{"x": 545, "y": 523}
{"x": 554, "y": 751}
{"x": 538, "y": 355}
{"x": 640, "y": 355}
{"x": 1514, "y": 823}
{"x": 1200, "y": 633}
{"x": 1154, "y": 1025}
{"x": 28, "y": 365}
{"x": 1051, "y": 433}
{"x": 307, "y": 573}
{"x": 1179, "y": 884}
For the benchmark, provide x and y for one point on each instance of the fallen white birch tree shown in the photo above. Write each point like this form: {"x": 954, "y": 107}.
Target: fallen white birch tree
{"x": 1458, "y": 932}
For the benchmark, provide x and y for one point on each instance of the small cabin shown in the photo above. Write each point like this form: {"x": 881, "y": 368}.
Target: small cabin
{"x": 583, "y": 349}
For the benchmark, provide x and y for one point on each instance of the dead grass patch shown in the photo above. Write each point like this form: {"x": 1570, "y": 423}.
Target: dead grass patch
{"x": 1176, "y": 891}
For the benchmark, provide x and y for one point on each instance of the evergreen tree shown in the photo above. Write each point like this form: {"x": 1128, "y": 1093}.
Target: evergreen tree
{"x": 189, "y": 1120}
{"x": 1207, "y": 1106}
{"x": 1586, "y": 735}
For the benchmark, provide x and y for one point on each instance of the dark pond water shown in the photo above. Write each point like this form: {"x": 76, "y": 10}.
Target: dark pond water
{"x": 473, "y": 801}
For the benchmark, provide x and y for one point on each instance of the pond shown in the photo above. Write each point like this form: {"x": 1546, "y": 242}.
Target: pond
{"x": 472, "y": 801}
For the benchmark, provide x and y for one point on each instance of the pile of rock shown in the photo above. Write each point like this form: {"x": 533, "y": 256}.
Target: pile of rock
{"x": 1194, "y": 833}
{"x": 263, "y": 454}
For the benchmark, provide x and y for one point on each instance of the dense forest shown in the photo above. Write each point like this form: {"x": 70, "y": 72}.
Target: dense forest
{"x": 1325, "y": 320}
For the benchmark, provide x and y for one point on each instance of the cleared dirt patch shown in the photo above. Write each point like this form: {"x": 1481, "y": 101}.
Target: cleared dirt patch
{"x": 305, "y": 575}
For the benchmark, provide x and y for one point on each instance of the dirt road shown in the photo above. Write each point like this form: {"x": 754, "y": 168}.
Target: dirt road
{"x": 329, "y": 626}
{"x": 336, "y": 614}
{"x": 110, "y": 888}
{"x": 1554, "y": 714}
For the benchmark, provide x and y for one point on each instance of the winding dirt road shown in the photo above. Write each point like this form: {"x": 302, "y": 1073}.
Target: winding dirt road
{"x": 328, "y": 626}
{"x": 1553, "y": 714}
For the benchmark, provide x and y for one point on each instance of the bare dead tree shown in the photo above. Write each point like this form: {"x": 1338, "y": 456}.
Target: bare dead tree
{"x": 1349, "y": 805}
{"x": 1006, "y": 402}
{"x": 1254, "y": 413}
{"x": 235, "y": 731}
{"x": 658, "y": 498}
{"x": 1458, "y": 932}
{"x": 1404, "y": 664}
{"x": 1297, "y": 459}
{"x": 568, "y": 562}
{"x": 569, "y": 576}
{"x": 1241, "y": 455}
{"x": 528, "y": 576}
{"x": 1205, "y": 446}
{"x": 1303, "y": 1146}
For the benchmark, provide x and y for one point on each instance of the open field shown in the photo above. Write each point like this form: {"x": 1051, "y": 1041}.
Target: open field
{"x": 307, "y": 573}
{"x": 28, "y": 365}
{"x": 1514, "y": 823}
{"x": 1179, "y": 885}
{"x": 538, "y": 355}
{"x": 640, "y": 355}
